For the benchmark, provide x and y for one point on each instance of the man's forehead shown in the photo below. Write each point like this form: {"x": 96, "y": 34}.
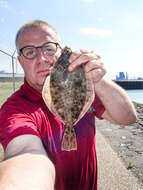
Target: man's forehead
{"x": 43, "y": 32}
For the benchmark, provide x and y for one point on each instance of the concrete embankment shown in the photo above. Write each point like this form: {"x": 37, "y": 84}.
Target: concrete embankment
{"x": 112, "y": 174}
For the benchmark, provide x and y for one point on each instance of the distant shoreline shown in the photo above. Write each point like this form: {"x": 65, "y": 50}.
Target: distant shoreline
{"x": 130, "y": 84}
{"x": 11, "y": 79}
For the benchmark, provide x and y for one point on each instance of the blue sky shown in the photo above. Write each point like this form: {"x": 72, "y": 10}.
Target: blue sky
{"x": 113, "y": 28}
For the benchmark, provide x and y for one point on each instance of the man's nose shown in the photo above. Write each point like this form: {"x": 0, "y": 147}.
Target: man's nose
{"x": 42, "y": 59}
{"x": 40, "y": 55}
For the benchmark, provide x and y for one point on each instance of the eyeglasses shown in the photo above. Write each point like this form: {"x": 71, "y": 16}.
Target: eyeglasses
{"x": 48, "y": 49}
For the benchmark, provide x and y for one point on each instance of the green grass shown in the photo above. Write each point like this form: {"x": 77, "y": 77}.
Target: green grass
{"x": 6, "y": 89}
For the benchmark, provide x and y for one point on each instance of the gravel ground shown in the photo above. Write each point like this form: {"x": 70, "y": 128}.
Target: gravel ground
{"x": 127, "y": 142}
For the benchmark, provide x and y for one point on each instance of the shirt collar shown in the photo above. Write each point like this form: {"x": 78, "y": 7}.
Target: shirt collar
{"x": 29, "y": 91}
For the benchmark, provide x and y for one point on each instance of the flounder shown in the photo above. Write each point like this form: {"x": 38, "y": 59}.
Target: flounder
{"x": 68, "y": 95}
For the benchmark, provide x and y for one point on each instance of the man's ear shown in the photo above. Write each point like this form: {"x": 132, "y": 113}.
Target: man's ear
{"x": 20, "y": 61}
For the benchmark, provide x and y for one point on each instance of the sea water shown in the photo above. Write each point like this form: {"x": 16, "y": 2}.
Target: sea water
{"x": 136, "y": 95}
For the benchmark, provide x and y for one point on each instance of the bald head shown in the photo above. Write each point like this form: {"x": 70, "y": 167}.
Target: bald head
{"x": 35, "y": 25}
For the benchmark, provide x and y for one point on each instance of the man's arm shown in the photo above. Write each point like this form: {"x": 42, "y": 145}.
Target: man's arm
{"x": 118, "y": 107}
{"x": 26, "y": 166}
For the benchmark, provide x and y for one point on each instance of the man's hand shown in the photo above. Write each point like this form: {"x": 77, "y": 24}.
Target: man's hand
{"x": 92, "y": 63}
{"x": 118, "y": 107}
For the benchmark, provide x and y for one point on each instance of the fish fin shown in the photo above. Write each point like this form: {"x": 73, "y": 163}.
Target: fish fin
{"x": 46, "y": 95}
{"x": 89, "y": 98}
{"x": 69, "y": 140}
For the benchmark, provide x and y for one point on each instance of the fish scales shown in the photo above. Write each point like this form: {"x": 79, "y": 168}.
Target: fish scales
{"x": 68, "y": 95}
{"x": 68, "y": 92}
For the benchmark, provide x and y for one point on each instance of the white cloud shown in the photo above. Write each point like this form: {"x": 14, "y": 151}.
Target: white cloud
{"x": 96, "y": 32}
{"x": 4, "y": 4}
{"x": 2, "y": 20}
{"x": 99, "y": 19}
{"x": 21, "y": 13}
{"x": 89, "y": 1}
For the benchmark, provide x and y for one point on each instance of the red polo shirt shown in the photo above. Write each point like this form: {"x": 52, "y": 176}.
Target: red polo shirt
{"x": 26, "y": 113}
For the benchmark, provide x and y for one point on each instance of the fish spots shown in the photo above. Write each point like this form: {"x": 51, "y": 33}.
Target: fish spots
{"x": 68, "y": 96}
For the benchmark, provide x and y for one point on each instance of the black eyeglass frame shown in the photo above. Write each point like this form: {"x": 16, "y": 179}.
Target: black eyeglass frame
{"x": 36, "y": 47}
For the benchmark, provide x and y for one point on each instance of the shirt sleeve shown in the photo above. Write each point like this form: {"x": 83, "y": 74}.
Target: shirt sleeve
{"x": 13, "y": 124}
{"x": 97, "y": 107}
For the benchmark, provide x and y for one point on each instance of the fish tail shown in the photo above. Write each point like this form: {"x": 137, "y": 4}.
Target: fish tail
{"x": 69, "y": 141}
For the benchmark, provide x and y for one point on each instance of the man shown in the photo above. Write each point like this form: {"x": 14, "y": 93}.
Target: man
{"x": 31, "y": 135}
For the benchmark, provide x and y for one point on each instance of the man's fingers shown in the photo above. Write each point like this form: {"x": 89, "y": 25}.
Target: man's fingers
{"x": 81, "y": 57}
{"x": 89, "y": 52}
{"x": 94, "y": 64}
